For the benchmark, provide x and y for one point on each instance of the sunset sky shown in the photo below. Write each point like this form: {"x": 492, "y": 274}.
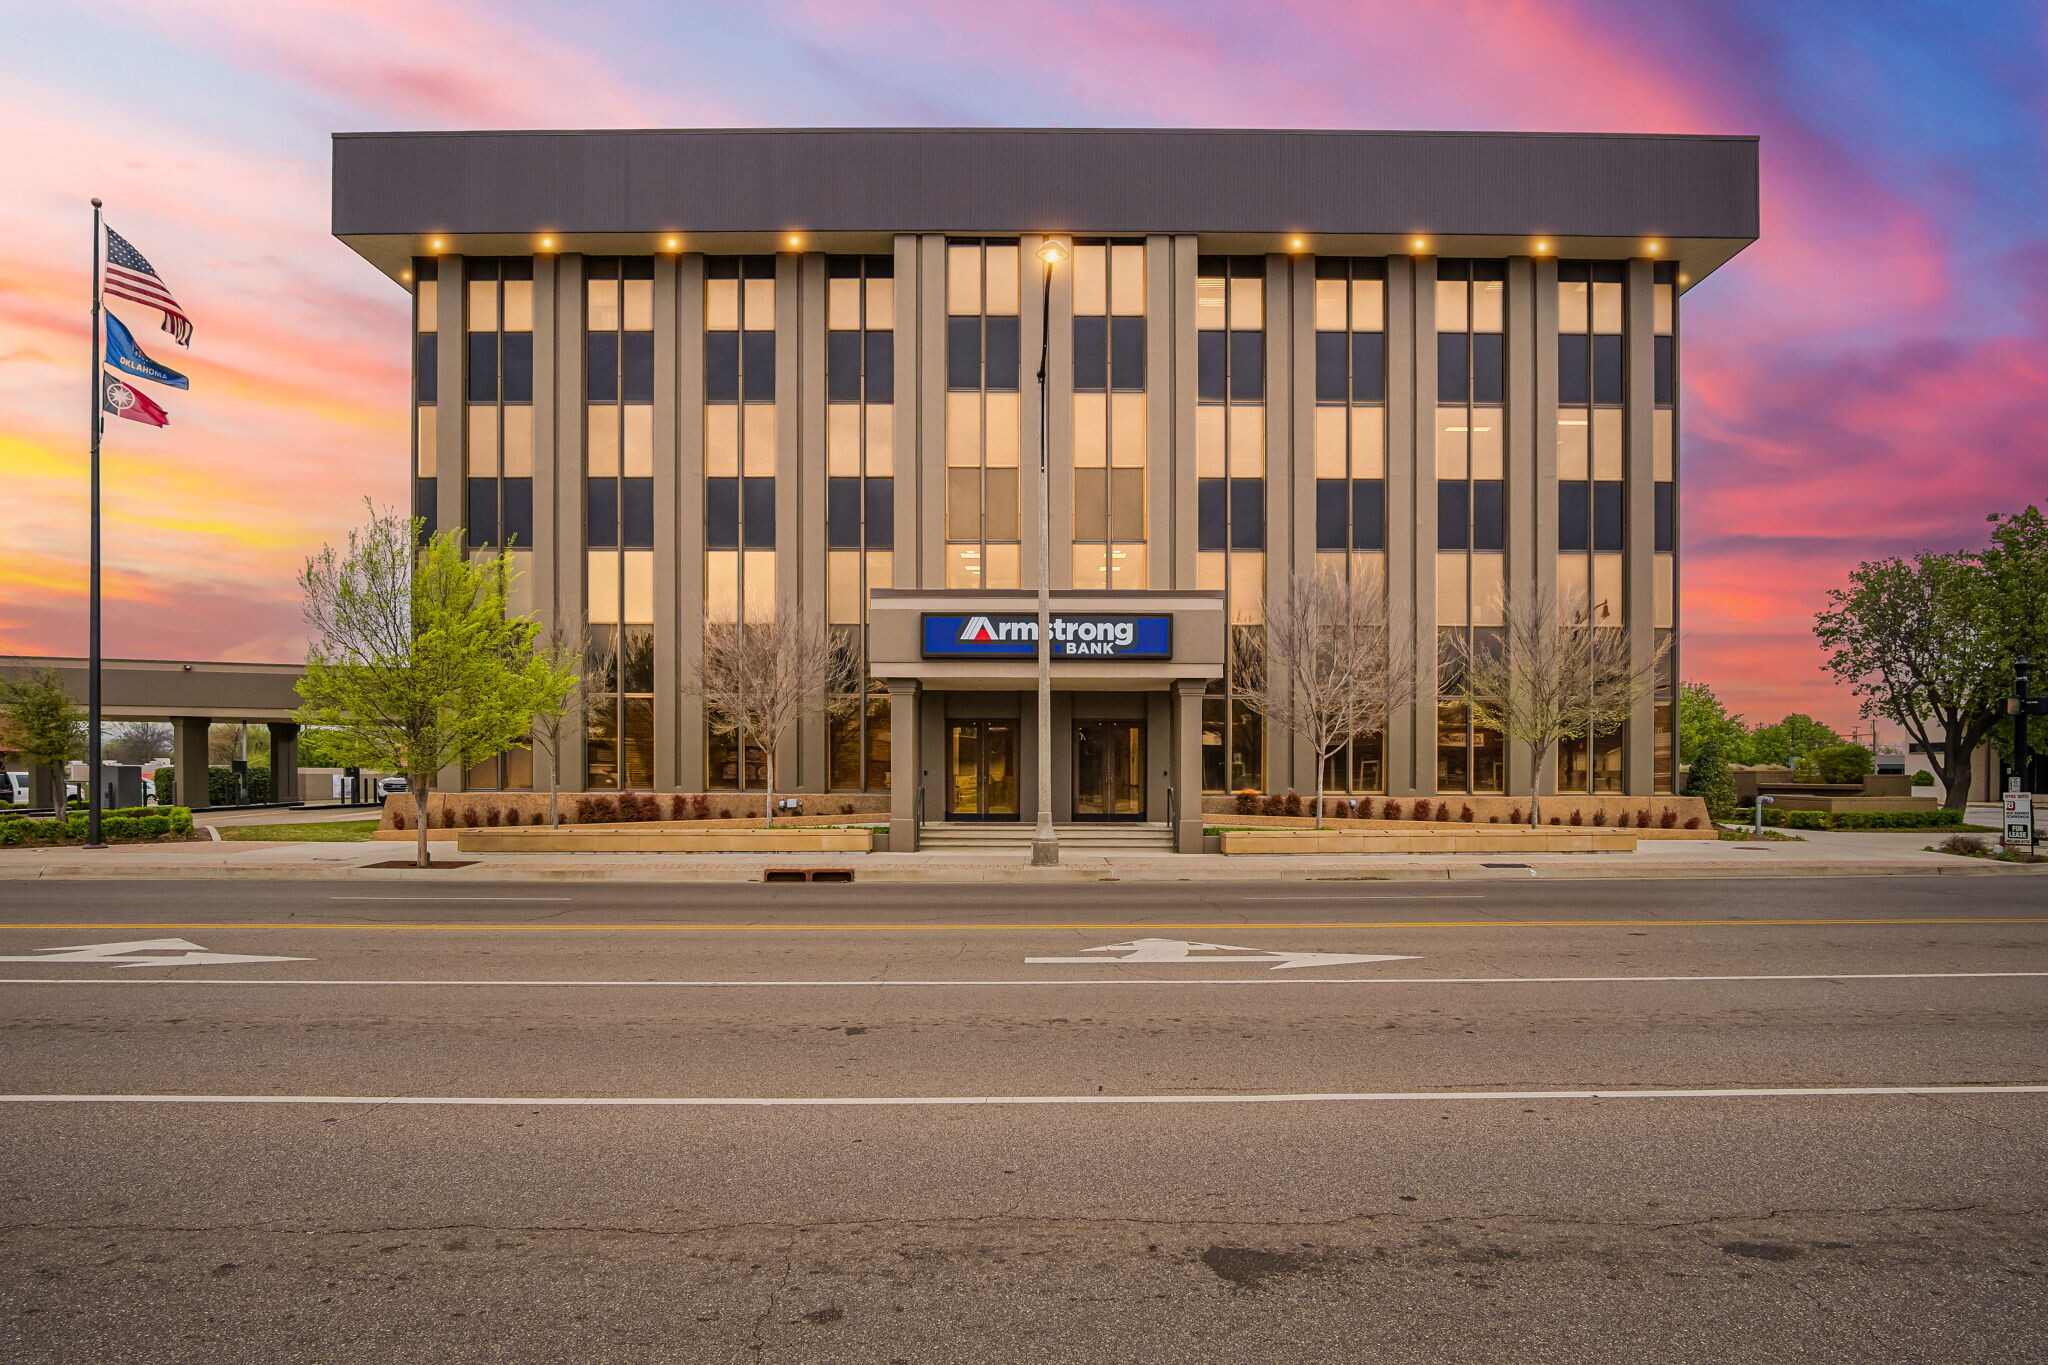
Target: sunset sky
{"x": 1870, "y": 378}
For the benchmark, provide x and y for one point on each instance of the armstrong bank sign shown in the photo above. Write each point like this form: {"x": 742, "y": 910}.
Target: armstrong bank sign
{"x": 1015, "y": 636}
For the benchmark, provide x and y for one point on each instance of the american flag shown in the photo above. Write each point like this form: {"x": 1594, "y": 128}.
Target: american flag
{"x": 130, "y": 276}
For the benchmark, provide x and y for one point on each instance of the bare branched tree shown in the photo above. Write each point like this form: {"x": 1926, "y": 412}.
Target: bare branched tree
{"x": 552, "y": 728}
{"x": 1330, "y": 668}
{"x": 761, "y": 677}
{"x": 137, "y": 741}
{"x": 1547, "y": 676}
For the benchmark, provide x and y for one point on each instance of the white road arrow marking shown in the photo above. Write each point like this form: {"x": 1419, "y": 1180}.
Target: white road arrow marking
{"x": 147, "y": 952}
{"x": 1181, "y": 951}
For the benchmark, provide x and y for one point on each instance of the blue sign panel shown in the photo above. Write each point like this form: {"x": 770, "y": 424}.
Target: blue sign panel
{"x": 1015, "y": 636}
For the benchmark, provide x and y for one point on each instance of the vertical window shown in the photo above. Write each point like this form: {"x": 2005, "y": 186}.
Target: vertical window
{"x": 983, "y": 420}
{"x": 498, "y": 386}
{"x": 740, "y": 443}
{"x": 1230, "y": 468}
{"x": 1110, "y": 447}
{"x": 426, "y": 307}
{"x": 1471, "y": 429}
{"x": 1350, "y": 445}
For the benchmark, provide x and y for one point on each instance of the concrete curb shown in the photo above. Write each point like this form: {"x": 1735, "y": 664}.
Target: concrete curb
{"x": 983, "y": 873}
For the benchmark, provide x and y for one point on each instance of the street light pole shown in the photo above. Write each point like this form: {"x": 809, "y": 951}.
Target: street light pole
{"x": 1045, "y": 844}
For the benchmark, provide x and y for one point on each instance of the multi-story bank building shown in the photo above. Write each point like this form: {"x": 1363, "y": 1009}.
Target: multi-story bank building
{"x": 714, "y": 375}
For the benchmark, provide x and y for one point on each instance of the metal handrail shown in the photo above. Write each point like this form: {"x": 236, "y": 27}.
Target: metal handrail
{"x": 1172, "y": 808}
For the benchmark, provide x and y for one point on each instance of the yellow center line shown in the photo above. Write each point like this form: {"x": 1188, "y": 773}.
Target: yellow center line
{"x": 1240, "y": 925}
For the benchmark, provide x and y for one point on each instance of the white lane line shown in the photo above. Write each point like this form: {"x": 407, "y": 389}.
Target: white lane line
{"x": 851, "y": 1101}
{"x": 1063, "y": 981}
{"x": 565, "y": 900}
{"x": 1357, "y": 896}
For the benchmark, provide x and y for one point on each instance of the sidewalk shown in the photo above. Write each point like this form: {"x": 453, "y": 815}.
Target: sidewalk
{"x": 1822, "y": 854}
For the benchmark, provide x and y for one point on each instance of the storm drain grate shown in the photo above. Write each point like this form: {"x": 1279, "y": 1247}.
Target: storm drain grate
{"x": 807, "y": 874}
{"x": 1524, "y": 866}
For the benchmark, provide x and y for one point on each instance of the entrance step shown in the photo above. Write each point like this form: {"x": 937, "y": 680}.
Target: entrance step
{"x": 976, "y": 837}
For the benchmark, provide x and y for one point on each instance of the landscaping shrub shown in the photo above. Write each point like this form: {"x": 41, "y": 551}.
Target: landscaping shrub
{"x": 1895, "y": 819}
{"x": 1600, "y": 816}
{"x": 1643, "y": 818}
{"x": 1554, "y": 820}
{"x": 1517, "y": 816}
{"x": 125, "y": 823}
{"x": 1421, "y": 810}
{"x": 1393, "y": 810}
{"x": 469, "y": 818}
{"x": 846, "y": 807}
{"x": 725, "y": 812}
{"x": 1578, "y": 816}
{"x": 1923, "y": 779}
{"x": 398, "y": 819}
{"x": 1963, "y": 843}
{"x": 1709, "y": 779}
{"x": 1443, "y": 810}
{"x": 700, "y": 807}
{"x": 1245, "y": 803}
{"x": 1363, "y": 808}
{"x": 1493, "y": 819}
{"x": 1842, "y": 763}
{"x": 1465, "y": 813}
{"x": 1669, "y": 819}
{"x": 1692, "y": 822}
{"x": 1291, "y": 803}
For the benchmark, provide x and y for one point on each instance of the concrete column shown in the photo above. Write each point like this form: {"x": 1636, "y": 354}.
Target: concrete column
{"x": 451, "y": 422}
{"x": 667, "y": 616}
{"x": 1187, "y": 764}
{"x": 1638, "y": 751}
{"x": 1179, "y": 544}
{"x": 284, "y": 761}
{"x": 188, "y": 759}
{"x": 687, "y": 702}
{"x": 800, "y": 501}
{"x": 1411, "y": 541}
{"x": 906, "y": 775}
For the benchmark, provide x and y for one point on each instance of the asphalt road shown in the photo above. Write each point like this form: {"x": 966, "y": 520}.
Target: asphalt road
{"x": 1544, "y": 1122}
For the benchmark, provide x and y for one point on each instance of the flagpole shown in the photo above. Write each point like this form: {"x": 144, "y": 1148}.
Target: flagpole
{"x": 92, "y": 665}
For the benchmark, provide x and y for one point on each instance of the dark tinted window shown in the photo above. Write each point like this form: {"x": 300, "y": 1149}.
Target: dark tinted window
{"x": 881, "y": 375}
{"x": 483, "y": 512}
{"x": 1247, "y": 366}
{"x": 1453, "y": 514}
{"x": 483, "y": 367}
{"x": 999, "y": 361}
{"x": 636, "y": 513}
{"x": 1368, "y": 514}
{"x": 1211, "y": 384}
{"x": 722, "y": 514}
{"x": 1212, "y": 503}
{"x": 1666, "y": 388}
{"x": 1574, "y": 508}
{"x": 636, "y": 367}
{"x": 426, "y": 385}
{"x": 1489, "y": 371}
{"x": 842, "y": 513}
{"x": 1368, "y": 367}
{"x": 1453, "y": 367}
{"x": 1666, "y": 538}
{"x": 1333, "y": 511}
{"x": 1333, "y": 367}
{"x": 757, "y": 366}
{"x": 1091, "y": 354}
{"x": 518, "y": 522}
{"x": 722, "y": 367}
{"x": 516, "y": 363}
{"x": 601, "y": 367}
{"x": 1573, "y": 383}
{"x": 1607, "y": 508}
{"x": 1127, "y": 353}
{"x": 601, "y": 513}
{"x": 1489, "y": 522}
{"x": 881, "y": 513}
{"x": 1606, "y": 368}
{"x": 1247, "y": 514}
{"x": 423, "y": 495}
{"x": 757, "y": 514}
{"x": 963, "y": 353}
{"x": 842, "y": 367}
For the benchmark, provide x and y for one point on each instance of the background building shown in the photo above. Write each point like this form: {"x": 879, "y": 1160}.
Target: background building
{"x": 712, "y": 375}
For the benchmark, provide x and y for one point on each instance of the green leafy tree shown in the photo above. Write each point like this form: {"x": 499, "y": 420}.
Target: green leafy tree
{"x": 2016, "y": 569}
{"x": 1841, "y": 763}
{"x": 316, "y": 749}
{"x": 39, "y": 721}
{"x": 1919, "y": 641}
{"x": 1790, "y": 740}
{"x": 1701, "y": 717}
{"x": 413, "y": 662}
{"x": 1708, "y": 778}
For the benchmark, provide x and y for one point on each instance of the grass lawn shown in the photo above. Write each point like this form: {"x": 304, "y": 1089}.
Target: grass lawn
{"x": 314, "y": 832}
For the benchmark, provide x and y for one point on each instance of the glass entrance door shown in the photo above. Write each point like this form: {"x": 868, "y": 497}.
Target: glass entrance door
{"x": 981, "y": 758}
{"x": 1109, "y": 770}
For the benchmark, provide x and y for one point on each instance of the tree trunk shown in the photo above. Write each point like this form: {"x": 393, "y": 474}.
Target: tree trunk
{"x": 768, "y": 797}
{"x": 554, "y": 797}
{"x": 1542, "y": 760}
{"x": 1957, "y": 767}
{"x": 1321, "y": 759}
{"x": 419, "y": 806}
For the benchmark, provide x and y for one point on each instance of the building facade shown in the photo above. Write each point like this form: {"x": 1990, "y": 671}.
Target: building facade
{"x": 717, "y": 376}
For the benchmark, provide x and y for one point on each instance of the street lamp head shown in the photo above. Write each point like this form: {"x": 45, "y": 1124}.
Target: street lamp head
{"x": 1053, "y": 252}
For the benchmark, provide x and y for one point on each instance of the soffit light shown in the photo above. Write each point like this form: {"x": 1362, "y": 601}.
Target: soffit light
{"x": 1053, "y": 252}
{"x": 436, "y": 244}
{"x": 1543, "y": 246}
{"x": 795, "y": 240}
{"x": 1655, "y": 247}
